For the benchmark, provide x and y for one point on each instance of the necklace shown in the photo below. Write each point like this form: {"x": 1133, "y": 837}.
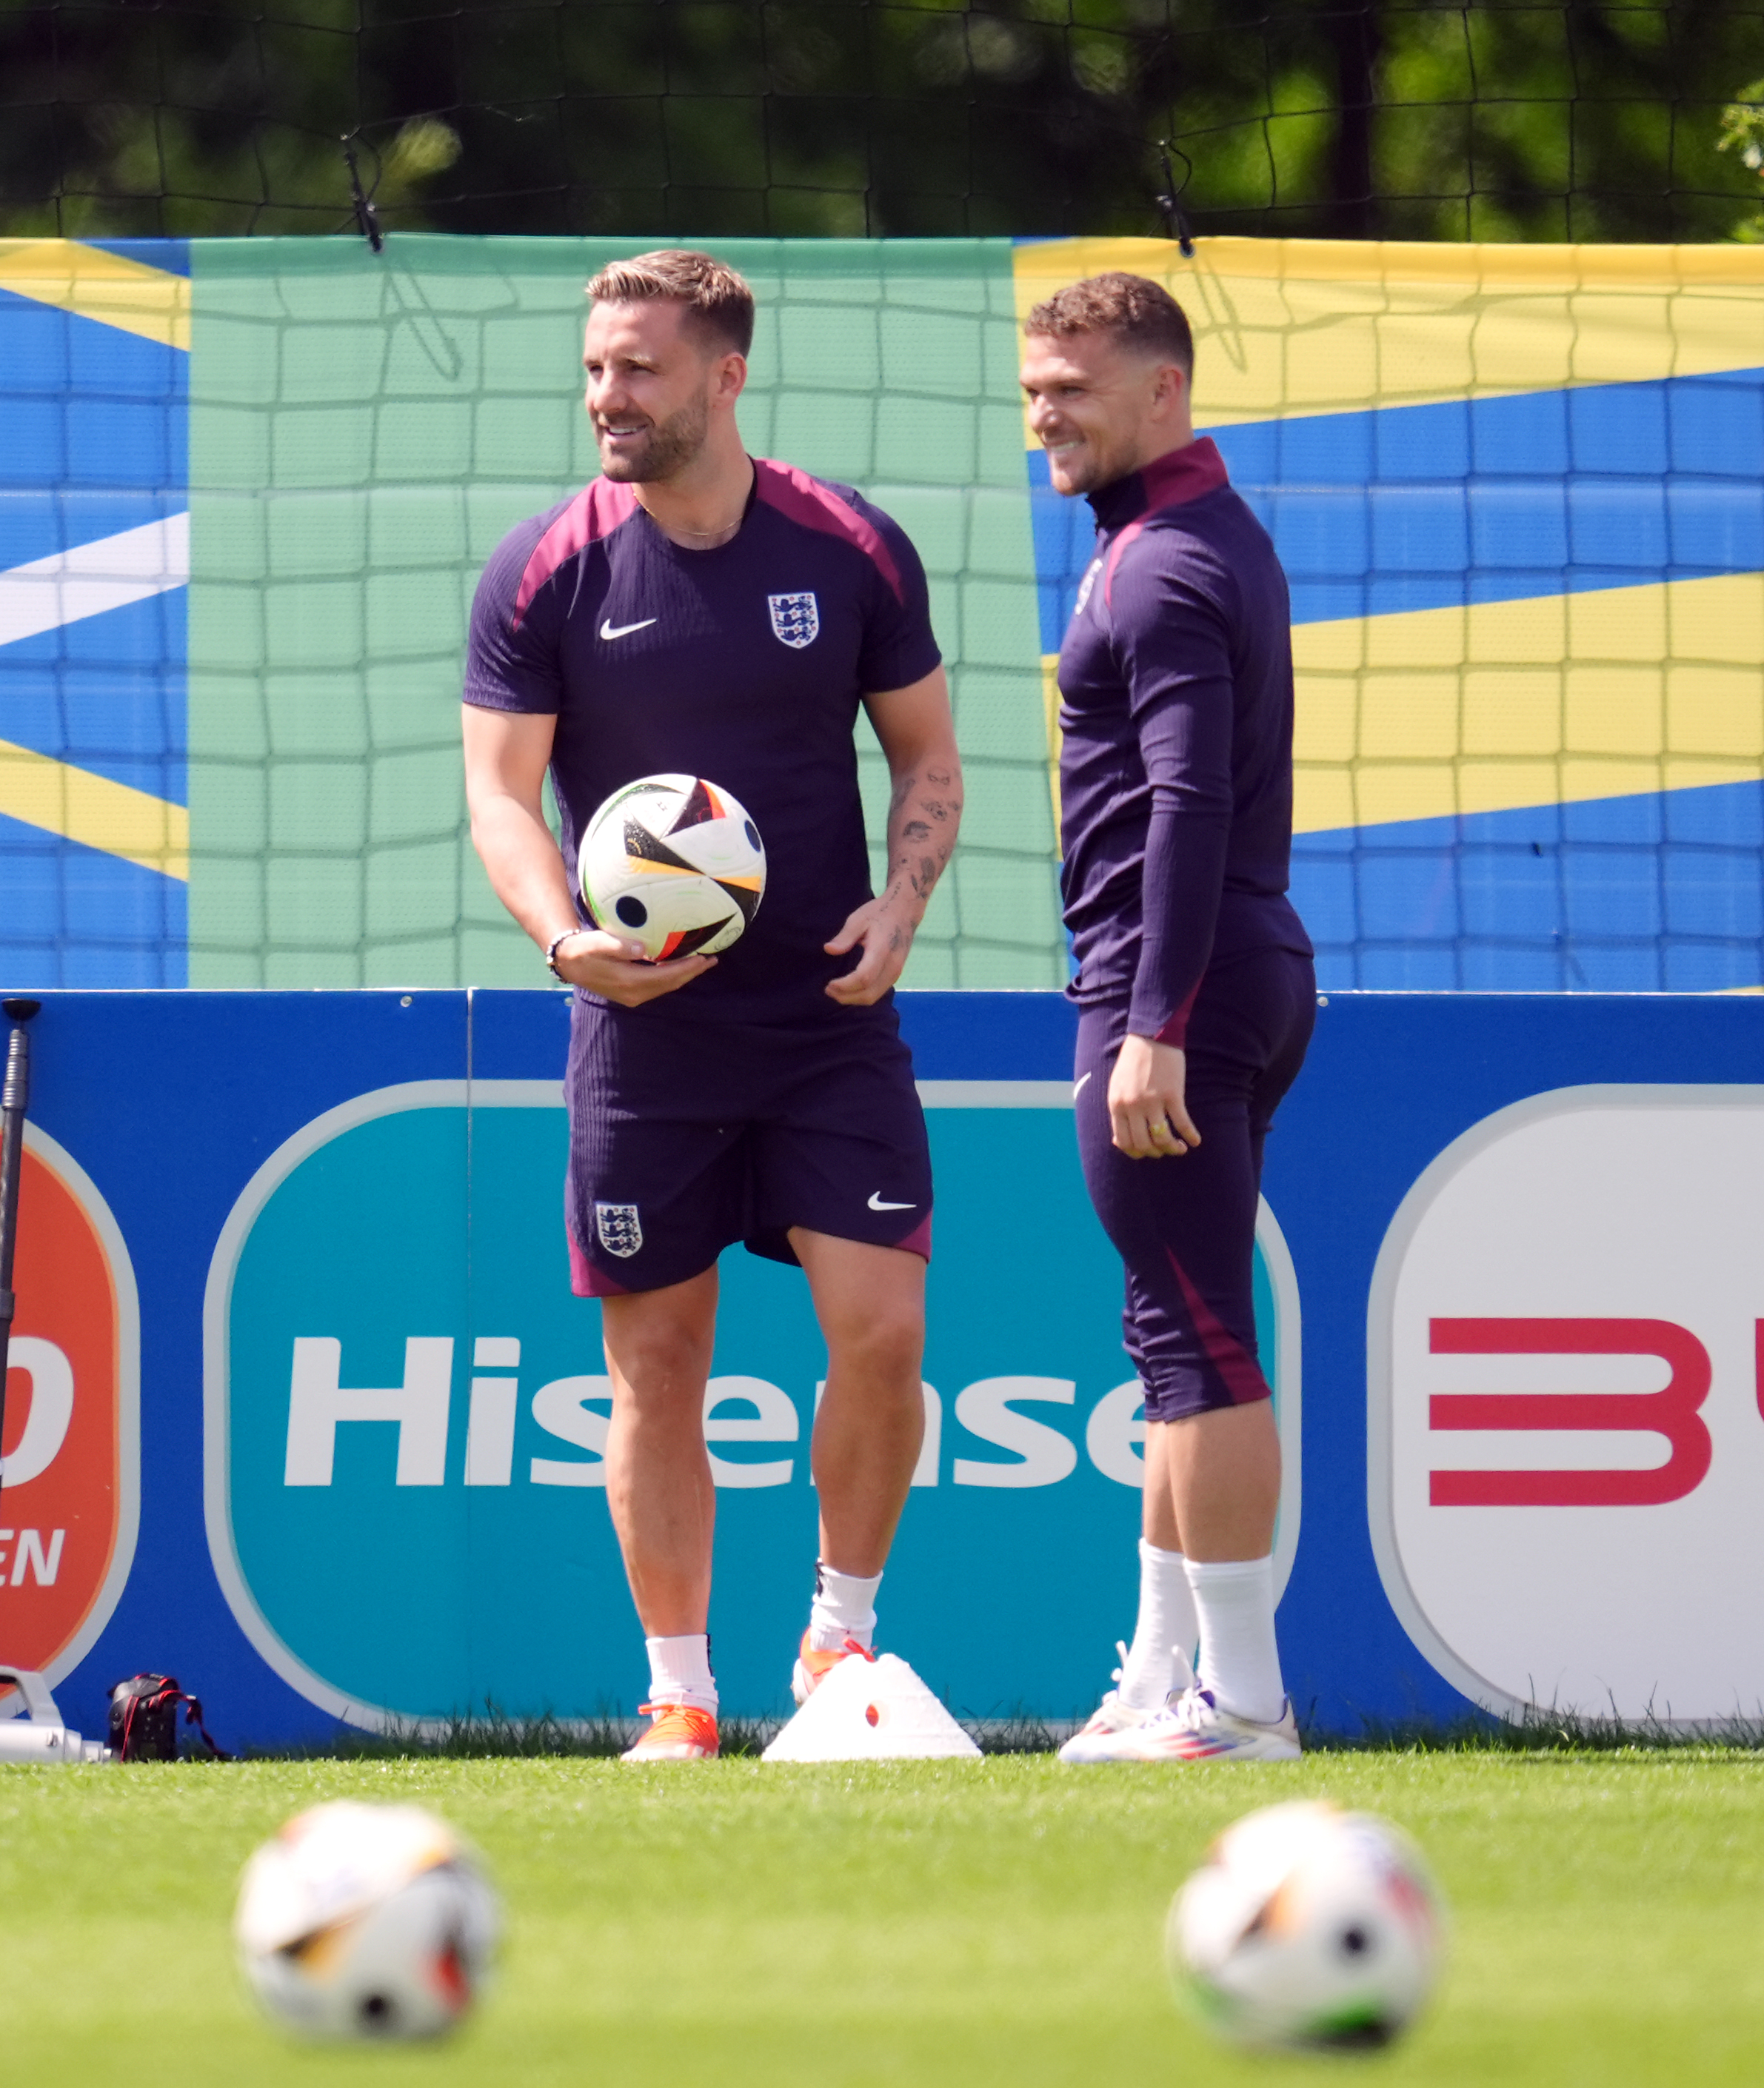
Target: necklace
{"x": 726, "y": 529}
{"x": 702, "y": 536}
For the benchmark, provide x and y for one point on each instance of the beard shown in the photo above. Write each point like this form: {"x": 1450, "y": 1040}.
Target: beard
{"x": 1093, "y": 467}
{"x": 670, "y": 446}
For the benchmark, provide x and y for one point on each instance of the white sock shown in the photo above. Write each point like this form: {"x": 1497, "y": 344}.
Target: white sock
{"x": 679, "y": 1672}
{"x": 1239, "y": 1662}
{"x": 1158, "y": 1660}
{"x": 844, "y": 1607}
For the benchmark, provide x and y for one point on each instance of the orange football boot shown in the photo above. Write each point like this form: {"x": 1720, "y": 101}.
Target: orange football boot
{"x": 815, "y": 1663}
{"x": 682, "y": 1732}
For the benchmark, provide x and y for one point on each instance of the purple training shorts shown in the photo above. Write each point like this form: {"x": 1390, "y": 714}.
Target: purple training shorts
{"x": 686, "y": 1135}
{"x": 1185, "y": 1224}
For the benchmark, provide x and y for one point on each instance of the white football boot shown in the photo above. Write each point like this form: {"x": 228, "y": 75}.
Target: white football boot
{"x": 1112, "y": 1717}
{"x": 1193, "y": 1728}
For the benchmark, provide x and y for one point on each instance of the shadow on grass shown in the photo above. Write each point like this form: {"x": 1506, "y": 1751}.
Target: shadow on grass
{"x": 1541, "y": 1732}
{"x": 493, "y": 1735}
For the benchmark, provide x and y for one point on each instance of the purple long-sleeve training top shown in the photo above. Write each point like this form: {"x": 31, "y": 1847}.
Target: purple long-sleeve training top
{"x": 1175, "y": 773}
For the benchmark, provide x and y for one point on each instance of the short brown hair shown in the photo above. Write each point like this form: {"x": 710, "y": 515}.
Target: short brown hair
{"x": 1140, "y": 314}
{"x": 719, "y": 306}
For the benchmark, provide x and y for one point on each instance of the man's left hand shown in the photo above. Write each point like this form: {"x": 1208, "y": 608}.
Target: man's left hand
{"x": 883, "y": 929}
{"x": 1148, "y": 1111}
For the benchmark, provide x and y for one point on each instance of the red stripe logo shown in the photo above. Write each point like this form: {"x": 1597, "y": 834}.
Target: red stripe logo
{"x": 1672, "y": 1412}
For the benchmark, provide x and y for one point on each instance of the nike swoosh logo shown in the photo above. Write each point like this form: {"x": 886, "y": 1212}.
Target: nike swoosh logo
{"x": 876, "y": 1204}
{"x": 608, "y": 629}
{"x": 1079, "y": 1089}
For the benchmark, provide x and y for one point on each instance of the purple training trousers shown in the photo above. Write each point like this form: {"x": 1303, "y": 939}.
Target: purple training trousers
{"x": 1185, "y": 1224}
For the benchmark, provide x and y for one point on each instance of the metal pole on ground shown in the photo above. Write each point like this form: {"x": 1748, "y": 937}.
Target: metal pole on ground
{"x": 14, "y": 1096}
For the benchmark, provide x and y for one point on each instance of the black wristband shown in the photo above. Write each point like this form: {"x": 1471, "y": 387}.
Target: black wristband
{"x": 555, "y": 944}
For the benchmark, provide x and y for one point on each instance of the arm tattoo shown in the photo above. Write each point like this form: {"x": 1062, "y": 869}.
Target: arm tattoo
{"x": 924, "y": 812}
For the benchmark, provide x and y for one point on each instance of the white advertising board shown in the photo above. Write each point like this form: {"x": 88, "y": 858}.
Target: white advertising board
{"x": 1565, "y": 1419}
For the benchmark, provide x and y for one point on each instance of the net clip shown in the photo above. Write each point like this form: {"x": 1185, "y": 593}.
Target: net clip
{"x": 366, "y": 217}
{"x": 1169, "y": 199}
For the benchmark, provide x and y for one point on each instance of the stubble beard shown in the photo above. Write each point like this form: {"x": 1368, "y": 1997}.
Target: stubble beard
{"x": 1070, "y": 481}
{"x": 1084, "y": 474}
{"x": 672, "y": 445}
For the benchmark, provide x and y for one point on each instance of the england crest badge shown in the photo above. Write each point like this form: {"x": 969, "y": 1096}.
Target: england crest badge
{"x": 795, "y": 619}
{"x": 621, "y": 1233}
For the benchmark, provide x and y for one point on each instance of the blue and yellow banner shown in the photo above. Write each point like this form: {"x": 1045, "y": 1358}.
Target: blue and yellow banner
{"x": 247, "y": 484}
{"x": 1519, "y": 495}
{"x": 94, "y": 568}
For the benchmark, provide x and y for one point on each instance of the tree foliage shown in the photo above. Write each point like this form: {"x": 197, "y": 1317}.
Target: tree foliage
{"x": 1333, "y": 118}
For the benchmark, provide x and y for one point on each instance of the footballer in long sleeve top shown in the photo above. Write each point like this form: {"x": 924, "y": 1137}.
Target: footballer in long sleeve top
{"x": 1195, "y": 985}
{"x": 1176, "y": 681}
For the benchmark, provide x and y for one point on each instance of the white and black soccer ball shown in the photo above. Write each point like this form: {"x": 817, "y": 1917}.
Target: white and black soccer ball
{"x": 674, "y": 862}
{"x": 1307, "y": 1927}
{"x": 369, "y": 1922}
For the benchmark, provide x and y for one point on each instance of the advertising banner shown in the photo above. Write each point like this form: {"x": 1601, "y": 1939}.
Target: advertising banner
{"x": 1507, "y": 1295}
{"x": 70, "y": 1480}
{"x": 401, "y": 1261}
{"x": 249, "y": 484}
{"x": 1566, "y": 1350}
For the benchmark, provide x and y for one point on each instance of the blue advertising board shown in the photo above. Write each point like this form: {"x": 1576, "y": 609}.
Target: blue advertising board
{"x": 370, "y": 1413}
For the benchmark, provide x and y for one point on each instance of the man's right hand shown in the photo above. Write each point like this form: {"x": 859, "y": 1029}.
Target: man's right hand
{"x": 618, "y": 971}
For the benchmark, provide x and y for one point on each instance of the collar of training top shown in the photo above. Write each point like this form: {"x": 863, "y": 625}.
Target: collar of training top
{"x": 1183, "y": 474}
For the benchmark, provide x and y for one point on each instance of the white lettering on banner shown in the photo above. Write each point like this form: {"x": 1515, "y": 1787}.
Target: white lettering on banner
{"x": 316, "y": 1402}
{"x": 51, "y": 1409}
{"x": 773, "y": 1420}
{"x": 569, "y": 1409}
{"x": 1564, "y": 1452}
{"x": 931, "y": 1450}
{"x": 562, "y": 1410}
{"x": 1113, "y": 1432}
{"x": 490, "y": 1431}
{"x": 1045, "y": 1456}
{"x": 31, "y": 1555}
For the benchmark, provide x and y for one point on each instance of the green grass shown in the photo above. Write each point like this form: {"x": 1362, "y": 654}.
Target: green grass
{"x": 732, "y": 1925}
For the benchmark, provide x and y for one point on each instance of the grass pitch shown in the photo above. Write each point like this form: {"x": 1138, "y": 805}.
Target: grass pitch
{"x": 734, "y": 1925}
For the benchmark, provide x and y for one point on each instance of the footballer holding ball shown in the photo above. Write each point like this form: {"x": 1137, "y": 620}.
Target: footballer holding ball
{"x": 701, "y": 612}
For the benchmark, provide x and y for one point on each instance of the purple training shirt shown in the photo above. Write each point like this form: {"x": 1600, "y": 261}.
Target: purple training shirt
{"x": 1176, "y": 776}
{"x": 744, "y": 665}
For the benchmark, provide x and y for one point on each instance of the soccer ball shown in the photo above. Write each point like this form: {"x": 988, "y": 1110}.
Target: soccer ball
{"x": 674, "y": 862}
{"x": 1308, "y": 1927}
{"x": 365, "y": 1921}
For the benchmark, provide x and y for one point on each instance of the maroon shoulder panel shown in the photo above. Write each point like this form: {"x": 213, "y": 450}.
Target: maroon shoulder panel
{"x": 816, "y": 507}
{"x": 595, "y": 511}
{"x": 1185, "y": 474}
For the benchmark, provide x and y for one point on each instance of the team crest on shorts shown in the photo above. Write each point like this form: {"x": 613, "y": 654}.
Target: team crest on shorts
{"x": 795, "y": 618}
{"x": 620, "y": 1231}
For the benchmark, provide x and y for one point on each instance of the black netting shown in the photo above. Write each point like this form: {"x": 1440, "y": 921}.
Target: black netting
{"x": 868, "y": 117}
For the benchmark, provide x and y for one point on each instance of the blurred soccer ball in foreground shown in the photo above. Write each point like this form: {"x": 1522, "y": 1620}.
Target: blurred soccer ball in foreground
{"x": 1306, "y": 1926}
{"x": 365, "y": 1921}
{"x": 673, "y": 862}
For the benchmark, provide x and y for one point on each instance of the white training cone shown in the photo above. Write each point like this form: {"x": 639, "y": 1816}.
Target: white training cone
{"x": 871, "y": 1710}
